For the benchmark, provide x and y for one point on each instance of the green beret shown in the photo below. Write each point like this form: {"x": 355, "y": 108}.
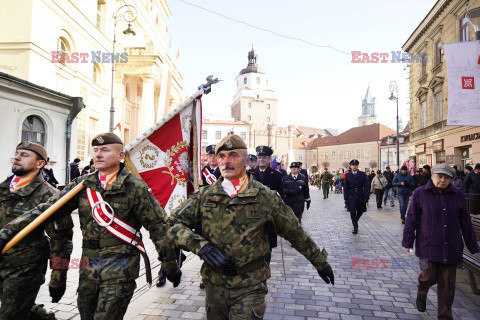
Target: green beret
{"x": 35, "y": 147}
{"x": 106, "y": 138}
{"x": 230, "y": 142}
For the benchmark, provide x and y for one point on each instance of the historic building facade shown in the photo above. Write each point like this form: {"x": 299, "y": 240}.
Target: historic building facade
{"x": 432, "y": 140}
{"x": 67, "y": 46}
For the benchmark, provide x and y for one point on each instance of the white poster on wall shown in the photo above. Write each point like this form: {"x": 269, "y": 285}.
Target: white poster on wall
{"x": 463, "y": 70}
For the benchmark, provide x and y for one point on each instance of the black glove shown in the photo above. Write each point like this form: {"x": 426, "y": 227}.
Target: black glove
{"x": 56, "y": 293}
{"x": 366, "y": 201}
{"x": 308, "y": 204}
{"x": 174, "y": 276}
{"x": 212, "y": 256}
{"x": 327, "y": 274}
{"x": 162, "y": 279}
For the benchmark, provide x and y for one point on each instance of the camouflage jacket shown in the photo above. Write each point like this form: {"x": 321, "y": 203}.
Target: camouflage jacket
{"x": 326, "y": 177}
{"x": 131, "y": 201}
{"x": 59, "y": 231}
{"x": 238, "y": 227}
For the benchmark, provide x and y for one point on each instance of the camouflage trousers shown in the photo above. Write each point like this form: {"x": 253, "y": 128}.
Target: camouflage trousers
{"x": 105, "y": 301}
{"x": 19, "y": 288}
{"x": 235, "y": 304}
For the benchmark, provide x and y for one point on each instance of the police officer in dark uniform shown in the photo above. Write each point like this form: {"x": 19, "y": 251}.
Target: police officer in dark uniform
{"x": 211, "y": 172}
{"x": 304, "y": 173}
{"x": 356, "y": 193}
{"x": 270, "y": 178}
{"x": 251, "y": 162}
{"x": 296, "y": 191}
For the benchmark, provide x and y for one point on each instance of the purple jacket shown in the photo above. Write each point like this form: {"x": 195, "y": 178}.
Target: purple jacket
{"x": 436, "y": 222}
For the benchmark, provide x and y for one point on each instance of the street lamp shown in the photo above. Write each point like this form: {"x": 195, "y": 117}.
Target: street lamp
{"x": 393, "y": 86}
{"x": 474, "y": 17}
{"x": 129, "y": 16}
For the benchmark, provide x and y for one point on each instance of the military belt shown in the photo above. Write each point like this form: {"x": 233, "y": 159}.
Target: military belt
{"x": 96, "y": 244}
{"x": 232, "y": 270}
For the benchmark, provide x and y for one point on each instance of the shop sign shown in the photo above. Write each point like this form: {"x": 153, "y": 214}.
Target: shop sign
{"x": 420, "y": 148}
{"x": 470, "y": 137}
{"x": 437, "y": 145}
{"x": 440, "y": 157}
{"x": 450, "y": 159}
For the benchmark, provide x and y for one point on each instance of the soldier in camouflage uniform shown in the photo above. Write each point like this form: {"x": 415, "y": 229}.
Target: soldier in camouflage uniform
{"x": 233, "y": 213}
{"x": 107, "y": 280}
{"x": 22, "y": 269}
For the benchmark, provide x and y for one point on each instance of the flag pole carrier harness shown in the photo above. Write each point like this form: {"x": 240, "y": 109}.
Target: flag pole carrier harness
{"x": 104, "y": 215}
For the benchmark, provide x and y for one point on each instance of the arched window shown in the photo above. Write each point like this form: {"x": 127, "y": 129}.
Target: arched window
{"x": 268, "y": 106}
{"x": 64, "y": 47}
{"x": 245, "y": 80}
{"x": 96, "y": 74}
{"x": 33, "y": 130}
{"x": 258, "y": 80}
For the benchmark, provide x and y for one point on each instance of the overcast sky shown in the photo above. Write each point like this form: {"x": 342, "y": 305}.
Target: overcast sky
{"x": 315, "y": 86}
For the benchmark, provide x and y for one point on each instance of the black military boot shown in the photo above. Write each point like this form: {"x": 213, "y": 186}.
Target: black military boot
{"x": 421, "y": 304}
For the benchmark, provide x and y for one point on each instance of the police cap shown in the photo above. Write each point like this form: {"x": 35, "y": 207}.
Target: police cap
{"x": 354, "y": 162}
{"x": 106, "y": 138}
{"x": 295, "y": 165}
{"x": 34, "y": 147}
{"x": 211, "y": 149}
{"x": 252, "y": 157}
{"x": 264, "y": 151}
{"x": 230, "y": 142}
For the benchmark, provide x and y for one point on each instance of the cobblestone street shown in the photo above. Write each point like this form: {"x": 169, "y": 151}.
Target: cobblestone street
{"x": 375, "y": 278}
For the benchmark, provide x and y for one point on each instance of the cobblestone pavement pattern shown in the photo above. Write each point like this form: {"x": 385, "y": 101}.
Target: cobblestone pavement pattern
{"x": 385, "y": 291}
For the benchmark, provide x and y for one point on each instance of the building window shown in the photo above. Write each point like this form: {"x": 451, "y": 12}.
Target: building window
{"x": 325, "y": 155}
{"x": 249, "y": 104}
{"x": 268, "y": 106}
{"x": 100, "y": 6}
{"x": 258, "y": 80}
{"x": 438, "y": 52}
{"x": 266, "y": 82}
{"x": 423, "y": 114}
{"x": 424, "y": 65}
{"x": 243, "y": 135}
{"x": 218, "y": 134}
{"x": 366, "y": 153}
{"x": 245, "y": 80}
{"x": 258, "y": 96}
{"x": 64, "y": 47}
{"x": 300, "y": 156}
{"x": 96, "y": 75}
{"x": 357, "y": 153}
{"x": 333, "y": 154}
{"x": 249, "y": 118}
{"x": 268, "y": 119}
{"x": 437, "y": 108}
{"x": 33, "y": 130}
{"x": 204, "y": 134}
{"x": 313, "y": 156}
{"x": 348, "y": 154}
{"x": 340, "y": 155}
{"x": 463, "y": 29}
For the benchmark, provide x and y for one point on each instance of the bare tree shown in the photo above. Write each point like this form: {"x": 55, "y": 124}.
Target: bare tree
{"x": 373, "y": 164}
{"x": 346, "y": 164}
{"x": 325, "y": 164}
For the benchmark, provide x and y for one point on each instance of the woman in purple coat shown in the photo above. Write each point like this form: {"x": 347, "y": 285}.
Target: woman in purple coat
{"x": 356, "y": 193}
{"x": 437, "y": 218}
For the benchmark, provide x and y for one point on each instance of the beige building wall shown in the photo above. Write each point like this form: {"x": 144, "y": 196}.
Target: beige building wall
{"x": 429, "y": 90}
{"x": 145, "y": 87}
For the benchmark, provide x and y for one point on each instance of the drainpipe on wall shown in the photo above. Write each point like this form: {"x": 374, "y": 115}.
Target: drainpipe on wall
{"x": 74, "y": 111}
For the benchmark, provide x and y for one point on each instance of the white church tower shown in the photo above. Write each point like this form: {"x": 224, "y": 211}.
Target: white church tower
{"x": 254, "y": 101}
{"x": 368, "y": 116}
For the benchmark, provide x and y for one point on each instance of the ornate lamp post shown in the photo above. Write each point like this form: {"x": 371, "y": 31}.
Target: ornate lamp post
{"x": 474, "y": 17}
{"x": 129, "y": 15}
{"x": 393, "y": 86}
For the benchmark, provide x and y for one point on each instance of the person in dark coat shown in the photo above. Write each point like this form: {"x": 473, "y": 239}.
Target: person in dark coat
{"x": 416, "y": 178}
{"x": 48, "y": 174}
{"x": 404, "y": 183}
{"x": 356, "y": 193}
{"x": 436, "y": 221}
{"x": 251, "y": 162}
{"x": 426, "y": 175}
{"x": 303, "y": 172}
{"x": 388, "y": 174}
{"x": 270, "y": 178}
{"x": 296, "y": 191}
{"x": 74, "y": 171}
{"x": 210, "y": 172}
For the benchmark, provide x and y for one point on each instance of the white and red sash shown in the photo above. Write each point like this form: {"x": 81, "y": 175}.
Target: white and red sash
{"x": 116, "y": 226}
{"x": 210, "y": 177}
{"x": 13, "y": 183}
